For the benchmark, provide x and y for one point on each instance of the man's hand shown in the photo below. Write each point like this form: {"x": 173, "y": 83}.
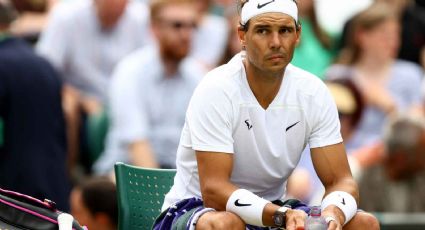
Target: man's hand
{"x": 295, "y": 219}
{"x": 338, "y": 216}
{"x": 333, "y": 224}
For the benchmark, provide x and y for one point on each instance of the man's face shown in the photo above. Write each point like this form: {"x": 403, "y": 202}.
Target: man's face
{"x": 381, "y": 42}
{"x": 110, "y": 11}
{"x": 270, "y": 41}
{"x": 174, "y": 29}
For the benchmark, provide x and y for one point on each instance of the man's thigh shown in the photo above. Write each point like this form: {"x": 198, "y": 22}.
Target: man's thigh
{"x": 220, "y": 220}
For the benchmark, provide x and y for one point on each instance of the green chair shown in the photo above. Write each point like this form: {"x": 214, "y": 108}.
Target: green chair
{"x": 140, "y": 194}
{"x": 97, "y": 128}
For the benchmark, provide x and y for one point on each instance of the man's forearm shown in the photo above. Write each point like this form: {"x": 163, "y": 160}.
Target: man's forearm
{"x": 141, "y": 154}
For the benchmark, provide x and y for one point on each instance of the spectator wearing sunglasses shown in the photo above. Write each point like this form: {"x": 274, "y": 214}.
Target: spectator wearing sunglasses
{"x": 151, "y": 89}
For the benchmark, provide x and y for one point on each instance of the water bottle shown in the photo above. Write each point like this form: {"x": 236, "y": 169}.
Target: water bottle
{"x": 315, "y": 221}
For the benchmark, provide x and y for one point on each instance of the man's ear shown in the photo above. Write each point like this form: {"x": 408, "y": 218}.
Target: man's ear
{"x": 298, "y": 32}
{"x": 241, "y": 35}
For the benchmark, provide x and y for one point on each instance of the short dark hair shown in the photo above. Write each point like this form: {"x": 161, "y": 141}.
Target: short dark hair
{"x": 99, "y": 196}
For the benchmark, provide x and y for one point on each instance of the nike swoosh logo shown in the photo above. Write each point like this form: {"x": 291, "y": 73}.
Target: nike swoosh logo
{"x": 259, "y": 6}
{"x": 248, "y": 124}
{"x": 240, "y": 204}
{"x": 292, "y": 125}
{"x": 343, "y": 201}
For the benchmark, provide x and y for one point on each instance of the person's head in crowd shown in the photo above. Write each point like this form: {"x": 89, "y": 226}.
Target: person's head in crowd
{"x": 173, "y": 24}
{"x": 94, "y": 204}
{"x": 307, "y": 11}
{"x": 405, "y": 147}
{"x": 7, "y": 14}
{"x": 109, "y": 12}
{"x": 349, "y": 103}
{"x": 372, "y": 34}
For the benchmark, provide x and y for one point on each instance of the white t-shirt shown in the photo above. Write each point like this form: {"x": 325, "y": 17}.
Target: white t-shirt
{"x": 224, "y": 116}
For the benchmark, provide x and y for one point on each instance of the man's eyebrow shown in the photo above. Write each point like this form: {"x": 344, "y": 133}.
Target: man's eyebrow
{"x": 261, "y": 25}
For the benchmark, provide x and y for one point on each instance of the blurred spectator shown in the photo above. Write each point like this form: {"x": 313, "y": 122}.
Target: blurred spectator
{"x": 150, "y": 91}
{"x": 33, "y": 156}
{"x": 94, "y": 204}
{"x": 413, "y": 29}
{"x": 398, "y": 184}
{"x": 84, "y": 40}
{"x": 388, "y": 85}
{"x": 304, "y": 183}
{"x": 316, "y": 49}
{"x": 209, "y": 41}
{"x": 33, "y": 15}
{"x": 233, "y": 45}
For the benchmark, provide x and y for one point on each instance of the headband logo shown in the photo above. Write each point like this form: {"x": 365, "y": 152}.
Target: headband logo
{"x": 259, "y": 6}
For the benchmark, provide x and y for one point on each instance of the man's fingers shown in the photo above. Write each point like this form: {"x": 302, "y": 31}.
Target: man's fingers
{"x": 334, "y": 226}
{"x": 299, "y": 222}
{"x": 295, "y": 220}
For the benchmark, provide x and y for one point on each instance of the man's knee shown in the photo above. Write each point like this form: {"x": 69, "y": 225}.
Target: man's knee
{"x": 363, "y": 220}
{"x": 220, "y": 220}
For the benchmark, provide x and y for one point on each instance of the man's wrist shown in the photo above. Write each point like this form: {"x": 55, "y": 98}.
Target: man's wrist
{"x": 342, "y": 203}
{"x": 334, "y": 212}
{"x": 329, "y": 219}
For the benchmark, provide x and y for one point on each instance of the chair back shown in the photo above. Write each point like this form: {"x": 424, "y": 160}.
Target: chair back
{"x": 140, "y": 194}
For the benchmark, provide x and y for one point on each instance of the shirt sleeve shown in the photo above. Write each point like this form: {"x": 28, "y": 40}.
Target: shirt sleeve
{"x": 326, "y": 128}
{"x": 209, "y": 118}
{"x": 129, "y": 119}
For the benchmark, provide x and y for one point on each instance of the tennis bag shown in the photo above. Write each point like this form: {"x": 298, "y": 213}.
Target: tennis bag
{"x": 19, "y": 211}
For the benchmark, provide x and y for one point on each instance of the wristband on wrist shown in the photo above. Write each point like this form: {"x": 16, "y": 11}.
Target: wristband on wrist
{"x": 248, "y": 206}
{"x": 343, "y": 201}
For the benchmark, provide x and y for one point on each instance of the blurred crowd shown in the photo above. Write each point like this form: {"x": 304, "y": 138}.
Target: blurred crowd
{"x": 87, "y": 83}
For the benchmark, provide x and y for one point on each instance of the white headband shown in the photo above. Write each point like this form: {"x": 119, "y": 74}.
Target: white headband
{"x": 255, "y": 7}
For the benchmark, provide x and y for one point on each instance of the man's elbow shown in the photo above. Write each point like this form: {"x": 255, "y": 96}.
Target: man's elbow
{"x": 211, "y": 196}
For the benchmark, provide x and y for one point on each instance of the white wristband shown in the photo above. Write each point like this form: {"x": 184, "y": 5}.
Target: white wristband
{"x": 344, "y": 201}
{"x": 248, "y": 206}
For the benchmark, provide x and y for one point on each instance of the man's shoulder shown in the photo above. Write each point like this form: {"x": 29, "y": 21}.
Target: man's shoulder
{"x": 137, "y": 10}
{"x": 68, "y": 10}
{"x": 138, "y": 63}
{"x": 408, "y": 68}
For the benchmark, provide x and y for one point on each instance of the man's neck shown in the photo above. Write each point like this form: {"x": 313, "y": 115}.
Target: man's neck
{"x": 265, "y": 86}
{"x": 171, "y": 66}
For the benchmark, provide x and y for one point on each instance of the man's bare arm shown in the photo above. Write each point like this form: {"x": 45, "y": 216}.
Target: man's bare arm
{"x": 332, "y": 167}
{"x": 214, "y": 174}
{"x": 141, "y": 154}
